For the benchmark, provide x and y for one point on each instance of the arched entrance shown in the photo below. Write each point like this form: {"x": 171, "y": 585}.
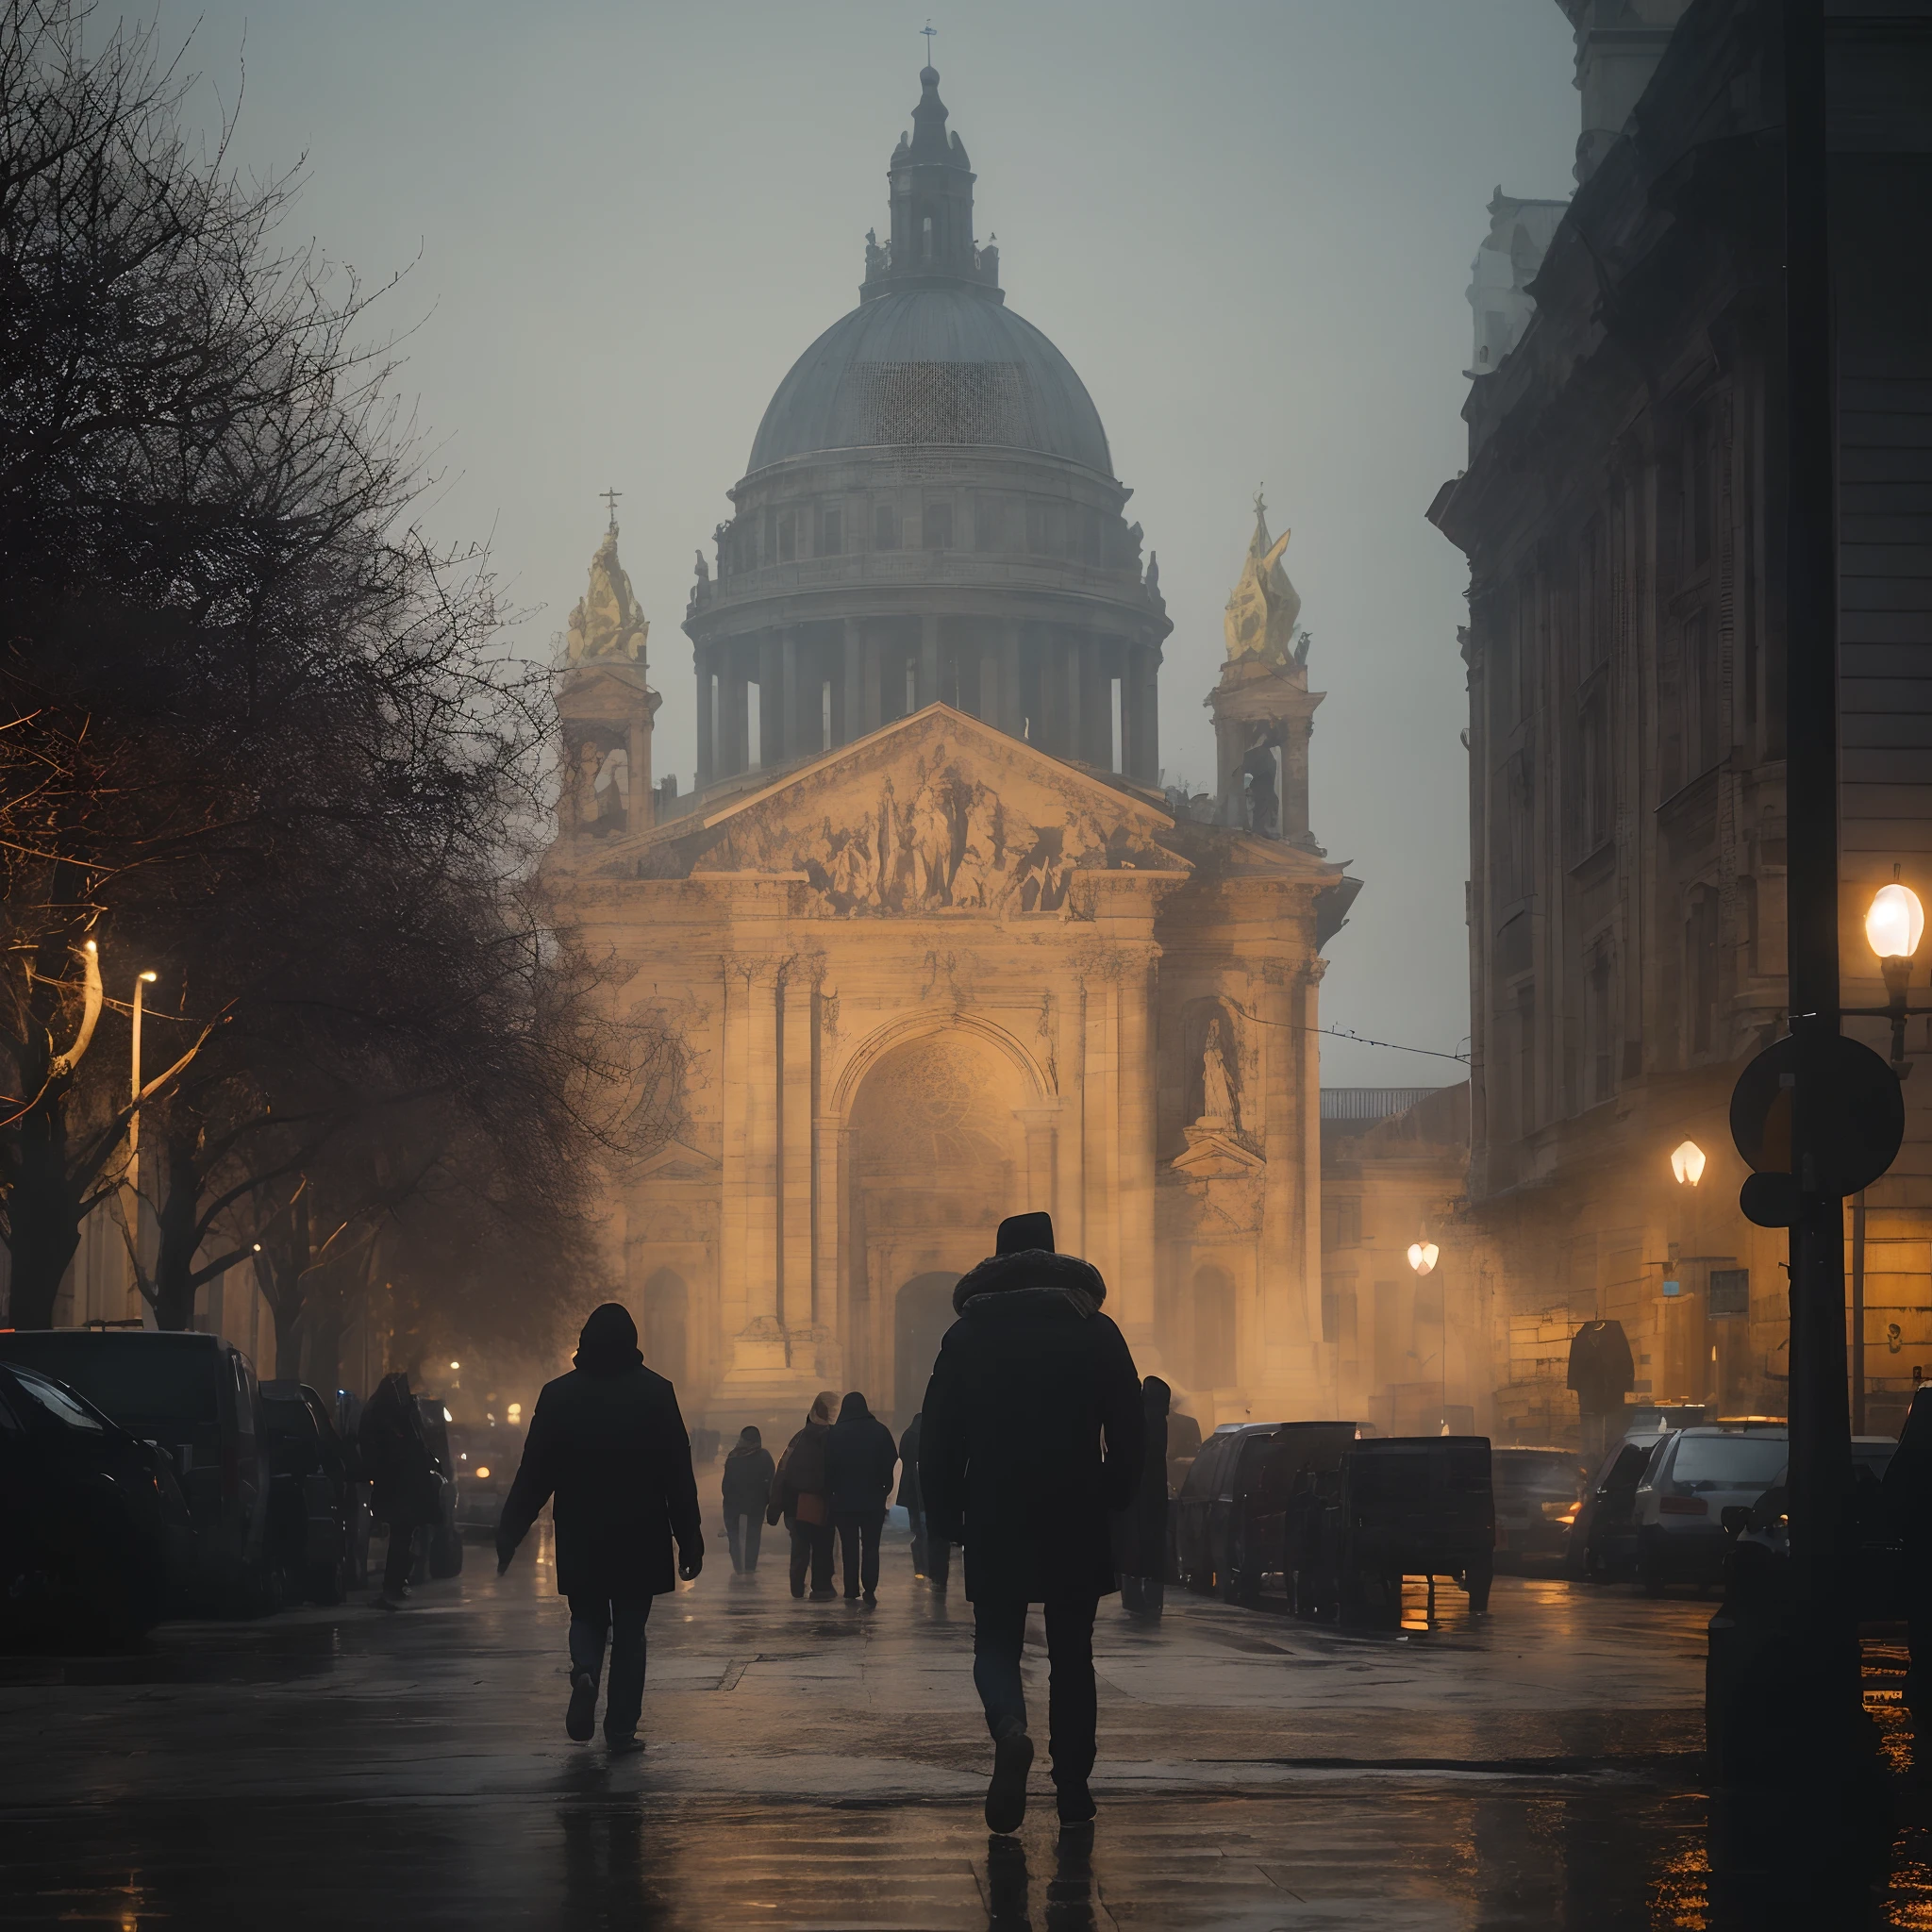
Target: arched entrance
{"x": 939, "y": 1158}
{"x": 667, "y": 1309}
{"x": 921, "y": 1313}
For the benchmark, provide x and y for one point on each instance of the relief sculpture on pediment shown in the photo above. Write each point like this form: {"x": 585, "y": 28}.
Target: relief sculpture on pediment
{"x": 952, "y": 843}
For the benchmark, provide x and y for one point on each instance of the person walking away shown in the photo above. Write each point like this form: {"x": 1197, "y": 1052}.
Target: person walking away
{"x": 607, "y": 1442}
{"x": 1183, "y": 1445}
{"x": 406, "y": 1491}
{"x": 908, "y": 1498}
{"x": 1033, "y": 1434}
{"x": 1144, "y": 1541}
{"x": 859, "y": 1458}
{"x": 798, "y": 1494}
{"x": 747, "y": 1488}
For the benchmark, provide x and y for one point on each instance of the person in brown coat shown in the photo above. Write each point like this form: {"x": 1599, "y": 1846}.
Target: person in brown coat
{"x": 799, "y": 1494}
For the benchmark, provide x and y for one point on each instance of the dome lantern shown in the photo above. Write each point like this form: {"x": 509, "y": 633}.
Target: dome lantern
{"x": 930, "y": 199}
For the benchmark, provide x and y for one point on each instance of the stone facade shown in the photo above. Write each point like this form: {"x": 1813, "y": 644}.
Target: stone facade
{"x": 936, "y": 945}
{"x": 1623, "y": 516}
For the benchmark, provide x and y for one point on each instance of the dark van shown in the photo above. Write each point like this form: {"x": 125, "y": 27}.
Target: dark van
{"x": 194, "y": 1397}
{"x": 1205, "y": 1509}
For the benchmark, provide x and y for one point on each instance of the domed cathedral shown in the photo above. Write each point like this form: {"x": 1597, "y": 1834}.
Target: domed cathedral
{"x": 937, "y": 946}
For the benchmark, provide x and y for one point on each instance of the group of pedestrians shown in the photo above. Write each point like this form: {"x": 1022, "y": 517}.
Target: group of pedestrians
{"x": 1032, "y": 1451}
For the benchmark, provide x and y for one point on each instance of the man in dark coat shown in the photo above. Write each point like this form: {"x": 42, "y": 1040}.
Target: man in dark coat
{"x": 607, "y": 1440}
{"x": 1032, "y": 1436}
{"x": 1143, "y": 1554}
{"x": 859, "y": 1458}
{"x": 798, "y": 1494}
{"x": 747, "y": 1486}
{"x": 909, "y": 1499}
{"x": 404, "y": 1491}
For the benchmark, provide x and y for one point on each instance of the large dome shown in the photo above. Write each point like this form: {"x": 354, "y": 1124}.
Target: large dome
{"x": 932, "y": 366}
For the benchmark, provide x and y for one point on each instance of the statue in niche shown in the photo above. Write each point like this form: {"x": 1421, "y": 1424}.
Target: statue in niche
{"x": 1263, "y": 606}
{"x": 1218, "y": 1108}
{"x": 1260, "y": 798}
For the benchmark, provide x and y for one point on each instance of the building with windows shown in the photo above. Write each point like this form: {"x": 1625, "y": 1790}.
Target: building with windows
{"x": 935, "y": 944}
{"x": 1622, "y": 512}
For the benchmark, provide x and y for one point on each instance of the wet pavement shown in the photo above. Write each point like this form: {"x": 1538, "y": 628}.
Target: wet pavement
{"x": 822, "y": 1765}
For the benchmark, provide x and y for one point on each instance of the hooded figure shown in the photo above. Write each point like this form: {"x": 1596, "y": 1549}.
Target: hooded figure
{"x": 406, "y": 1490}
{"x": 1031, "y": 1435}
{"x": 1143, "y": 1524}
{"x": 607, "y": 1442}
{"x": 747, "y": 1485}
{"x": 860, "y": 1456}
{"x": 798, "y": 1494}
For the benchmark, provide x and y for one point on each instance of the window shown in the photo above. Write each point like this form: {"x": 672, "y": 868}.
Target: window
{"x": 939, "y": 525}
{"x": 1600, "y": 1048}
{"x": 885, "y": 527}
{"x": 831, "y": 531}
{"x": 788, "y": 536}
{"x": 1113, "y": 685}
{"x": 925, "y": 238}
{"x": 1700, "y": 970}
{"x": 1703, "y": 698}
{"x": 990, "y": 523}
{"x": 825, "y": 715}
{"x": 771, "y": 536}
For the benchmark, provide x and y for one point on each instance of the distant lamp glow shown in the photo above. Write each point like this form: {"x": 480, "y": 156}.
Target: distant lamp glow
{"x": 456, "y": 1365}
{"x": 515, "y": 1412}
{"x": 482, "y": 1473}
{"x": 1423, "y": 1255}
{"x": 1895, "y": 924}
{"x": 1686, "y": 1163}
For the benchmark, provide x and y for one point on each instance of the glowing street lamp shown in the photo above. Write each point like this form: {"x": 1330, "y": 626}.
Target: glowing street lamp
{"x": 1423, "y": 1255}
{"x": 142, "y": 982}
{"x": 1686, "y": 1163}
{"x": 1894, "y": 923}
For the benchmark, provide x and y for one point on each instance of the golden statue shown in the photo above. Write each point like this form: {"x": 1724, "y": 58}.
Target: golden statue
{"x": 606, "y": 622}
{"x": 1263, "y": 607}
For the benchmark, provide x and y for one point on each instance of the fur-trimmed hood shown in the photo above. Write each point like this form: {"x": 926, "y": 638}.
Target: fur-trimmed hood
{"x": 1034, "y": 1268}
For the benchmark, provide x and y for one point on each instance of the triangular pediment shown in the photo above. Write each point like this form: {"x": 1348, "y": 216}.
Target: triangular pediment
{"x": 1216, "y": 1153}
{"x": 936, "y": 811}
{"x": 674, "y": 1161}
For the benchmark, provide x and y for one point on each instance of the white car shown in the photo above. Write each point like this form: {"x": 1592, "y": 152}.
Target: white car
{"x": 1691, "y": 1478}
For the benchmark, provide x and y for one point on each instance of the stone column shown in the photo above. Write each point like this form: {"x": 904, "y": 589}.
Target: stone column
{"x": 791, "y": 740}
{"x": 638, "y": 763}
{"x": 1096, "y": 705}
{"x": 929, "y": 684}
{"x": 1294, "y": 779}
{"x": 1070, "y": 1142}
{"x": 707, "y": 715}
{"x": 991, "y": 699}
{"x": 1039, "y": 1123}
{"x": 1010, "y": 719}
{"x": 762, "y": 1079}
{"x": 851, "y": 705}
{"x": 795, "y": 1111}
{"x": 736, "y": 694}
{"x": 736, "y": 1303}
{"x": 770, "y": 700}
{"x": 1138, "y": 1081}
{"x": 1147, "y": 687}
{"x": 875, "y": 687}
{"x": 1100, "y": 1126}
{"x": 831, "y": 1142}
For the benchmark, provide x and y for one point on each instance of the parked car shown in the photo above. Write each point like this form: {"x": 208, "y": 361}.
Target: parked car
{"x": 194, "y": 1397}
{"x": 311, "y": 1494}
{"x": 485, "y": 1460}
{"x": 1399, "y": 1505}
{"x": 1603, "y": 1538}
{"x": 1538, "y": 1492}
{"x": 1204, "y": 1510}
{"x": 96, "y": 1523}
{"x": 443, "y": 1550}
{"x": 1692, "y": 1477}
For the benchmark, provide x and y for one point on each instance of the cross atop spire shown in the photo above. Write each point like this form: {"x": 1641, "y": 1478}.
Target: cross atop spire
{"x": 929, "y": 31}
{"x": 610, "y": 497}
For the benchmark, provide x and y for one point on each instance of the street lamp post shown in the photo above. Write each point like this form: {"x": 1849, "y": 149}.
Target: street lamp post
{"x": 1423, "y": 1255}
{"x": 142, "y": 982}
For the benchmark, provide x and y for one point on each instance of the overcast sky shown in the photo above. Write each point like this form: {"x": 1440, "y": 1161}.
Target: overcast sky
{"x": 1248, "y": 226}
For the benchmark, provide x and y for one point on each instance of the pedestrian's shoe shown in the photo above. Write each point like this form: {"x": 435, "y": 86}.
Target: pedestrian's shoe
{"x": 1006, "y": 1796}
{"x": 580, "y": 1720}
{"x": 623, "y": 1747}
{"x": 388, "y": 1603}
{"x": 851, "y": 1596}
{"x": 824, "y": 1596}
{"x": 1076, "y": 1804}
{"x": 872, "y": 1599}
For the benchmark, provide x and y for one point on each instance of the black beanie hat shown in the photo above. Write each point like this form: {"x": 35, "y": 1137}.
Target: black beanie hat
{"x": 1019, "y": 1233}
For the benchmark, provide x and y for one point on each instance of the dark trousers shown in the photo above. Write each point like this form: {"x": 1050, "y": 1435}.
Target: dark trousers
{"x": 1073, "y": 1708}
{"x": 396, "y": 1566}
{"x": 858, "y": 1544}
{"x": 916, "y": 1519}
{"x": 742, "y": 1534}
{"x": 1143, "y": 1595}
{"x": 592, "y": 1619}
{"x": 939, "y": 1560}
{"x": 811, "y": 1546}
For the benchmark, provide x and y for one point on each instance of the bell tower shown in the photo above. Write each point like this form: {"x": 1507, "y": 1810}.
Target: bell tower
{"x": 606, "y": 707}
{"x": 931, "y": 243}
{"x": 1262, "y": 708}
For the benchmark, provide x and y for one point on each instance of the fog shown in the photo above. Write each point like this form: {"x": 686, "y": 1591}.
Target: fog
{"x": 1248, "y": 226}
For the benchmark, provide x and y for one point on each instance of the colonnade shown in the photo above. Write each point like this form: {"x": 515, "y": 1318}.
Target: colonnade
{"x": 822, "y": 684}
